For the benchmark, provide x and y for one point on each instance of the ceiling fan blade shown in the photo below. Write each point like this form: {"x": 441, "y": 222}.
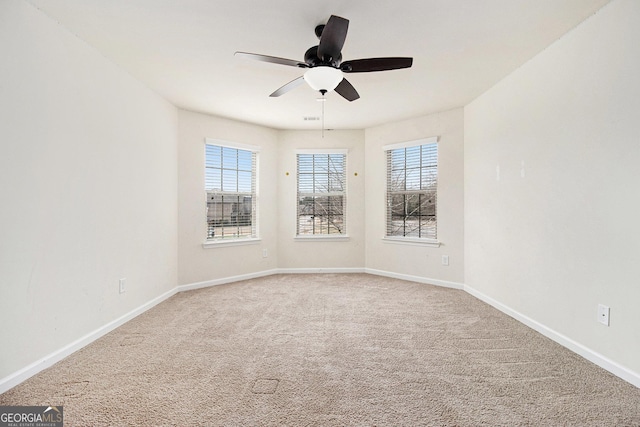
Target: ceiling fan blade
{"x": 289, "y": 86}
{"x": 347, "y": 91}
{"x": 375, "y": 64}
{"x": 333, "y": 36}
{"x": 271, "y": 59}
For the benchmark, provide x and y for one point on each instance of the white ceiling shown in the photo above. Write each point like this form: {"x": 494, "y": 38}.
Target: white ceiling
{"x": 184, "y": 50}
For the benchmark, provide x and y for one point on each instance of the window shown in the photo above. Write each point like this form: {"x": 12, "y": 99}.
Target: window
{"x": 412, "y": 188}
{"x": 321, "y": 193}
{"x": 230, "y": 184}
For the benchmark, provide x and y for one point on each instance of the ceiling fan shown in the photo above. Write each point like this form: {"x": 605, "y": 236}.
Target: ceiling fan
{"x": 324, "y": 62}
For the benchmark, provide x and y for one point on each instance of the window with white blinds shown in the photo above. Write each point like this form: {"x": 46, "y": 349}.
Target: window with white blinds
{"x": 322, "y": 196}
{"x": 412, "y": 189}
{"x": 230, "y": 184}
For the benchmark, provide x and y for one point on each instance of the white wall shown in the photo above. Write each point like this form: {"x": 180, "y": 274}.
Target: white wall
{"x": 88, "y": 182}
{"x": 304, "y": 253}
{"x": 558, "y": 232}
{"x": 99, "y": 177}
{"x": 198, "y": 264}
{"x": 415, "y": 260}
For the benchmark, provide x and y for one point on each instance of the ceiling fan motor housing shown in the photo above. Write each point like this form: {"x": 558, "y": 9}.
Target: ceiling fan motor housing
{"x": 312, "y": 60}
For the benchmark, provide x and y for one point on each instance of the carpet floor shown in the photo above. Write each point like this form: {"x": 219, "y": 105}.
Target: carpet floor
{"x": 328, "y": 350}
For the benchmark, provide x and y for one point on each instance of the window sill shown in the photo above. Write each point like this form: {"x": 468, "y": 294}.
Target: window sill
{"x": 322, "y": 237}
{"x": 208, "y": 244}
{"x": 412, "y": 241}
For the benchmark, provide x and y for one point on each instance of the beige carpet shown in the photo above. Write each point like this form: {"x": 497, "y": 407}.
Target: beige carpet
{"x": 328, "y": 350}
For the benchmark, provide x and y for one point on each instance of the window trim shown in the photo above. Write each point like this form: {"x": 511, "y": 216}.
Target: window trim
{"x": 208, "y": 244}
{"x": 255, "y": 149}
{"x": 412, "y": 143}
{"x": 311, "y": 237}
{"x": 412, "y": 241}
{"x": 344, "y": 151}
{"x": 323, "y": 237}
{"x": 402, "y": 239}
{"x": 229, "y": 144}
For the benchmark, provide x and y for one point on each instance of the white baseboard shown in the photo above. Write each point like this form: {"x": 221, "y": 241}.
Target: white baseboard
{"x": 225, "y": 280}
{"x": 418, "y": 279}
{"x": 47, "y": 361}
{"x": 319, "y": 270}
{"x": 51, "y": 359}
{"x": 592, "y": 356}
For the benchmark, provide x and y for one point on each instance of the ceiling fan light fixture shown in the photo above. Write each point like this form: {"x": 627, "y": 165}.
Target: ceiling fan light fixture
{"x": 323, "y": 78}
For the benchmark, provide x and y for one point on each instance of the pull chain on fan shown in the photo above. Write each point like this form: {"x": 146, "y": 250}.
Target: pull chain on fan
{"x": 322, "y": 101}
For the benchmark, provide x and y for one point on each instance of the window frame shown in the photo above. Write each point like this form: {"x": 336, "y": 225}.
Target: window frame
{"x": 254, "y": 238}
{"x": 421, "y": 241}
{"x": 324, "y": 236}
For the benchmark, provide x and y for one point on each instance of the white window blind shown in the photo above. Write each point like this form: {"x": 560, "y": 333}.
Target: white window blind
{"x": 230, "y": 184}
{"x": 412, "y": 189}
{"x": 321, "y": 194}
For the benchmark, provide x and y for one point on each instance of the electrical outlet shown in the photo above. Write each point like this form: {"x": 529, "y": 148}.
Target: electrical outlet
{"x": 121, "y": 287}
{"x": 265, "y": 253}
{"x": 603, "y": 314}
{"x": 445, "y": 259}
